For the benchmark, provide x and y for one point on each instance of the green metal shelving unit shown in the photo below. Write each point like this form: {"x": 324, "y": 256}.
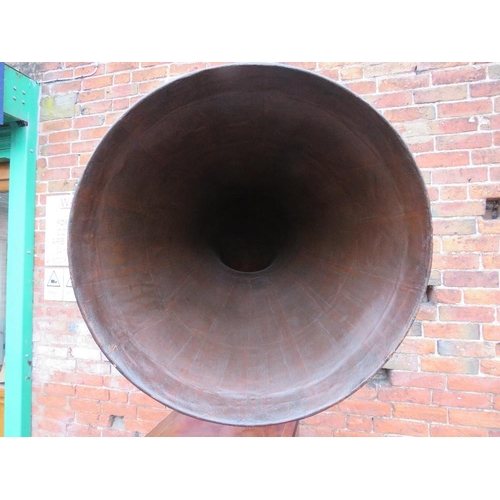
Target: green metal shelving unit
{"x": 18, "y": 142}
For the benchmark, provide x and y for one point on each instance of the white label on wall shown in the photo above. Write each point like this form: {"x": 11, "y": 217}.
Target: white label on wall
{"x": 57, "y": 284}
{"x": 53, "y": 283}
{"x": 68, "y": 293}
{"x": 56, "y": 229}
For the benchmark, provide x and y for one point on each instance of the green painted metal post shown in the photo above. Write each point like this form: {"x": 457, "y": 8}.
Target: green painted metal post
{"x": 21, "y": 96}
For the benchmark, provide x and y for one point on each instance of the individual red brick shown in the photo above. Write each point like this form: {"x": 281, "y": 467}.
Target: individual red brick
{"x": 467, "y": 314}
{"x": 404, "y": 394}
{"x": 449, "y": 365}
{"x": 97, "y": 82}
{"x": 149, "y": 74}
{"x": 483, "y": 297}
{"x": 454, "y": 126}
{"x": 465, "y": 348}
{"x": 457, "y": 209}
{"x": 419, "y": 412}
{"x": 410, "y": 114}
{"x": 485, "y": 279}
{"x": 122, "y": 78}
{"x": 119, "y": 104}
{"x": 55, "y": 125}
{"x": 62, "y": 186}
{"x": 391, "y": 100}
{"x": 100, "y": 394}
{"x": 449, "y": 93}
{"x": 460, "y": 175}
{"x": 63, "y": 136}
{"x": 458, "y": 75}
{"x": 471, "y": 244}
{"x": 121, "y": 90}
{"x": 461, "y": 399}
{"x": 149, "y": 86}
{"x": 486, "y": 156}
{"x": 473, "y": 418}
{"x": 114, "y": 67}
{"x": 453, "y": 193}
{"x": 89, "y": 121}
{"x": 491, "y": 332}
{"x": 491, "y": 261}
{"x": 356, "y": 423}
{"x": 54, "y": 174}
{"x": 364, "y": 87}
{"x": 382, "y": 69}
{"x": 52, "y": 401}
{"x": 118, "y": 396}
{"x": 464, "y": 141}
{"x": 466, "y": 108}
{"x": 55, "y": 149}
{"x": 444, "y": 296}
{"x": 423, "y": 380}
{"x": 426, "y": 66}
{"x": 473, "y": 384}
{"x": 91, "y": 95}
{"x": 420, "y": 145}
{"x": 454, "y": 431}
{"x": 488, "y": 226}
{"x": 84, "y": 146}
{"x": 59, "y": 389}
{"x": 93, "y": 133}
{"x": 484, "y": 89}
{"x": 456, "y": 261}
{"x": 370, "y": 408}
{"x": 402, "y": 427}
{"x": 491, "y": 367}
{"x": 417, "y": 346}
{"x": 351, "y": 73}
{"x": 485, "y": 191}
{"x": 404, "y": 83}
{"x": 93, "y": 108}
{"x": 85, "y": 405}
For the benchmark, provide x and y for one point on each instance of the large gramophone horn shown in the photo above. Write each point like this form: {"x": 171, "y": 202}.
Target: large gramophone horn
{"x": 250, "y": 243}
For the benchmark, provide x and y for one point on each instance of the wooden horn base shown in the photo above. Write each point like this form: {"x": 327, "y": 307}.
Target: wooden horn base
{"x": 179, "y": 425}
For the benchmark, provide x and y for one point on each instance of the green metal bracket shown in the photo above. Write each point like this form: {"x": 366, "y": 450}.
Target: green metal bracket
{"x": 21, "y": 104}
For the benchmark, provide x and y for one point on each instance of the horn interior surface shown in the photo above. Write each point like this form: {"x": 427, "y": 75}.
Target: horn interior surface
{"x": 249, "y": 244}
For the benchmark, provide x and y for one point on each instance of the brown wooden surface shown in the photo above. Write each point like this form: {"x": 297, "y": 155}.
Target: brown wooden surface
{"x": 179, "y": 425}
{"x": 249, "y": 244}
{"x": 4, "y": 176}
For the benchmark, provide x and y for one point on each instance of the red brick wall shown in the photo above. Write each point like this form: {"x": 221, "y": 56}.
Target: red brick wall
{"x": 445, "y": 378}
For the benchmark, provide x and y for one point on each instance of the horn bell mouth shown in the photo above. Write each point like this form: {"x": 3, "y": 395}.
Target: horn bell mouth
{"x": 250, "y": 243}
